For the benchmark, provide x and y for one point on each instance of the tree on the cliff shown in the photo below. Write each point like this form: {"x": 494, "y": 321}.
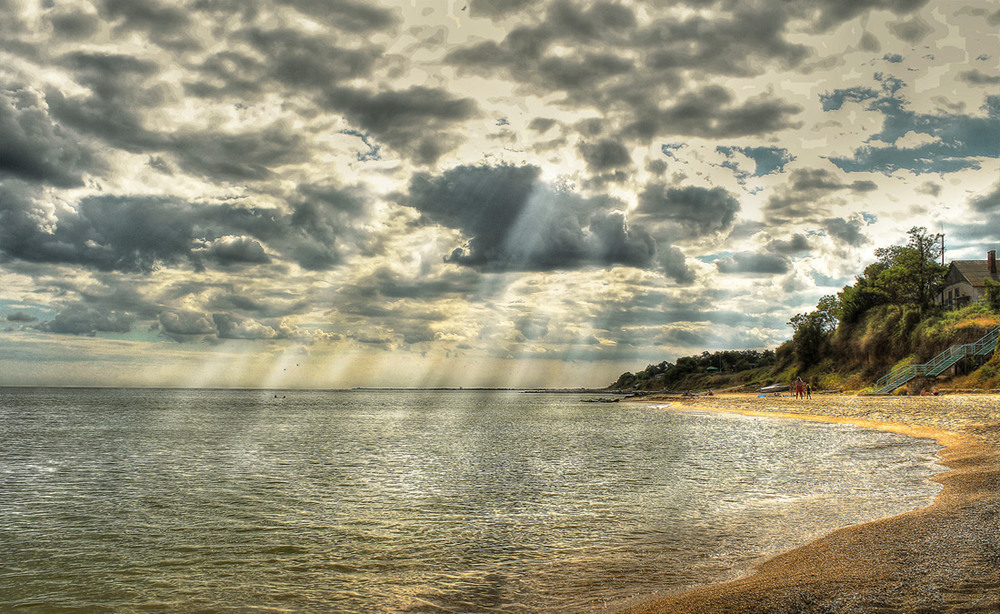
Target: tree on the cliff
{"x": 813, "y": 331}
{"x": 910, "y": 274}
{"x": 907, "y": 274}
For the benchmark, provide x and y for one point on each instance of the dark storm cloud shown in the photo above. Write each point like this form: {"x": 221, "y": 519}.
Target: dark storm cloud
{"x": 737, "y": 43}
{"x": 498, "y": 8}
{"x": 120, "y": 87}
{"x": 674, "y": 264}
{"x": 345, "y": 14}
{"x": 847, "y": 231}
{"x": 988, "y": 204}
{"x": 385, "y": 111}
{"x": 230, "y": 301}
{"x": 167, "y": 26}
{"x": 835, "y": 12}
{"x": 816, "y": 181}
{"x": 414, "y": 121}
{"x": 122, "y": 91}
{"x": 393, "y": 305}
{"x": 20, "y": 316}
{"x": 83, "y": 320}
{"x": 184, "y": 326}
{"x": 685, "y": 337}
{"x": 616, "y": 243}
{"x": 237, "y": 250}
{"x": 981, "y": 228}
{"x": 542, "y": 124}
{"x": 802, "y": 198}
{"x": 142, "y": 233}
{"x": 236, "y": 156}
{"x": 485, "y": 202}
{"x": 697, "y": 210}
{"x": 797, "y": 244}
{"x": 107, "y": 233}
{"x": 977, "y": 77}
{"x": 34, "y": 148}
{"x": 574, "y": 73}
{"x": 605, "y": 155}
{"x": 145, "y": 14}
{"x": 958, "y": 140}
{"x": 228, "y": 73}
{"x": 648, "y": 97}
{"x": 300, "y": 60}
{"x": 725, "y": 44}
{"x": 513, "y": 222}
{"x": 94, "y": 304}
{"x": 229, "y": 326}
{"x": 711, "y": 112}
{"x": 112, "y": 293}
{"x": 749, "y": 263}
{"x": 71, "y": 24}
{"x": 912, "y": 31}
{"x": 385, "y": 284}
{"x": 321, "y": 217}
{"x": 599, "y": 18}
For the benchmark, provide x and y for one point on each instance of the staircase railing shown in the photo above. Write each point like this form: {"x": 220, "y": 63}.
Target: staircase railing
{"x": 936, "y": 366}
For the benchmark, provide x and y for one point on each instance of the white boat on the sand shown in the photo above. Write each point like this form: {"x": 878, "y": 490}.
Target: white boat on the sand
{"x": 774, "y": 388}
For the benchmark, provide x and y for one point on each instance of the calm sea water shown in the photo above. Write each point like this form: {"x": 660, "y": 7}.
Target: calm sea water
{"x": 234, "y": 501}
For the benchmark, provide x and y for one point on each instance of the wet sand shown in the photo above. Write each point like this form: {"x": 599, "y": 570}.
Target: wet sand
{"x": 943, "y": 558}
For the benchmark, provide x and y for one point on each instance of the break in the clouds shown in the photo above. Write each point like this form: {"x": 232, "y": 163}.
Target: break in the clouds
{"x": 492, "y": 193}
{"x": 920, "y": 143}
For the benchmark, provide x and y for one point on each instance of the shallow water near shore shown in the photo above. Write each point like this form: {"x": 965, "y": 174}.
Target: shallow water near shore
{"x": 409, "y": 501}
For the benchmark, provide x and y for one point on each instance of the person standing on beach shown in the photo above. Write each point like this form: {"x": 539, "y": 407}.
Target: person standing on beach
{"x": 809, "y": 391}
{"x": 798, "y": 387}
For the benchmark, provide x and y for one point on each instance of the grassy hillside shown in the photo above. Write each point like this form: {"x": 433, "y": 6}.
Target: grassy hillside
{"x": 851, "y": 357}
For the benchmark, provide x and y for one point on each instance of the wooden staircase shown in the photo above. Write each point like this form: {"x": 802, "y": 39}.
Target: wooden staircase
{"x": 938, "y": 364}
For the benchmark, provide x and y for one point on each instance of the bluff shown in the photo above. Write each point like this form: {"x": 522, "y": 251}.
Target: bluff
{"x": 849, "y": 356}
{"x": 892, "y": 315}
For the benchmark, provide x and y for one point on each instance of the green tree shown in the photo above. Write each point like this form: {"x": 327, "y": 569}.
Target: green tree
{"x": 909, "y": 274}
{"x": 812, "y": 332}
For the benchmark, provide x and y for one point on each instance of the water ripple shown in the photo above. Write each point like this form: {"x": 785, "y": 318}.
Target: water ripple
{"x": 222, "y": 501}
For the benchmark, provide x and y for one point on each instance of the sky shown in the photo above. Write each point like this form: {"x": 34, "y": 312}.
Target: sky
{"x": 523, "y": 193}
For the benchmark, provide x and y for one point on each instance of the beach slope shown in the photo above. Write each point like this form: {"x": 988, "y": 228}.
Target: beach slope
{"x": 943, "y": 558}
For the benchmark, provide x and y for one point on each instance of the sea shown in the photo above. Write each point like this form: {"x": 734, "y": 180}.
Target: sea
{"x": 140, "y": 500}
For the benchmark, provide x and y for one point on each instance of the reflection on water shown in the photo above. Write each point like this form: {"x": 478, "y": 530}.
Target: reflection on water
{"x": 411, "y": 501}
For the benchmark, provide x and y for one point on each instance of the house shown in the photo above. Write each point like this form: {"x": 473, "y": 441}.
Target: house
{"x": 965, "y": 282}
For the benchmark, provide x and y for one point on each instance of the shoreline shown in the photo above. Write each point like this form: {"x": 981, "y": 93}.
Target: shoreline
{"x": 943, "y": 557}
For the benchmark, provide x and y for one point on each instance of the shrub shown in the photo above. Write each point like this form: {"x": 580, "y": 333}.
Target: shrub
{"x": 993, "y": 295}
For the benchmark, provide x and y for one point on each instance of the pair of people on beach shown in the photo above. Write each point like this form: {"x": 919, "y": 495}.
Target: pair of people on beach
{"x": 802, "y": 389}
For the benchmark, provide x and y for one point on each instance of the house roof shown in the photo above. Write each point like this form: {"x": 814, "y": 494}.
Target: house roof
{"x": 976, "y": 271}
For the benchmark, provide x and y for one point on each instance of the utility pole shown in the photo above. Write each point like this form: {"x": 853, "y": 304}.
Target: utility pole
{"x": 941, "y": 236}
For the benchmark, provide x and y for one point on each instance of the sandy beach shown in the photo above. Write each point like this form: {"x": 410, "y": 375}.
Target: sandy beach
{"x": 943, "y": 558}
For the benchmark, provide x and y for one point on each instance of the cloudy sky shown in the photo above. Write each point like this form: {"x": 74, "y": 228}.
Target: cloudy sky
{"x": 339, "y": 193}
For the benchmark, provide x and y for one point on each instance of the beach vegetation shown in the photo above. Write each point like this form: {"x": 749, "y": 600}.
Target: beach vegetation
{"x": 887, "y": 318}
{"x": 729, "y": 364}
{"x": 811, "y": 336}
{"x": 992, "y": 295}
